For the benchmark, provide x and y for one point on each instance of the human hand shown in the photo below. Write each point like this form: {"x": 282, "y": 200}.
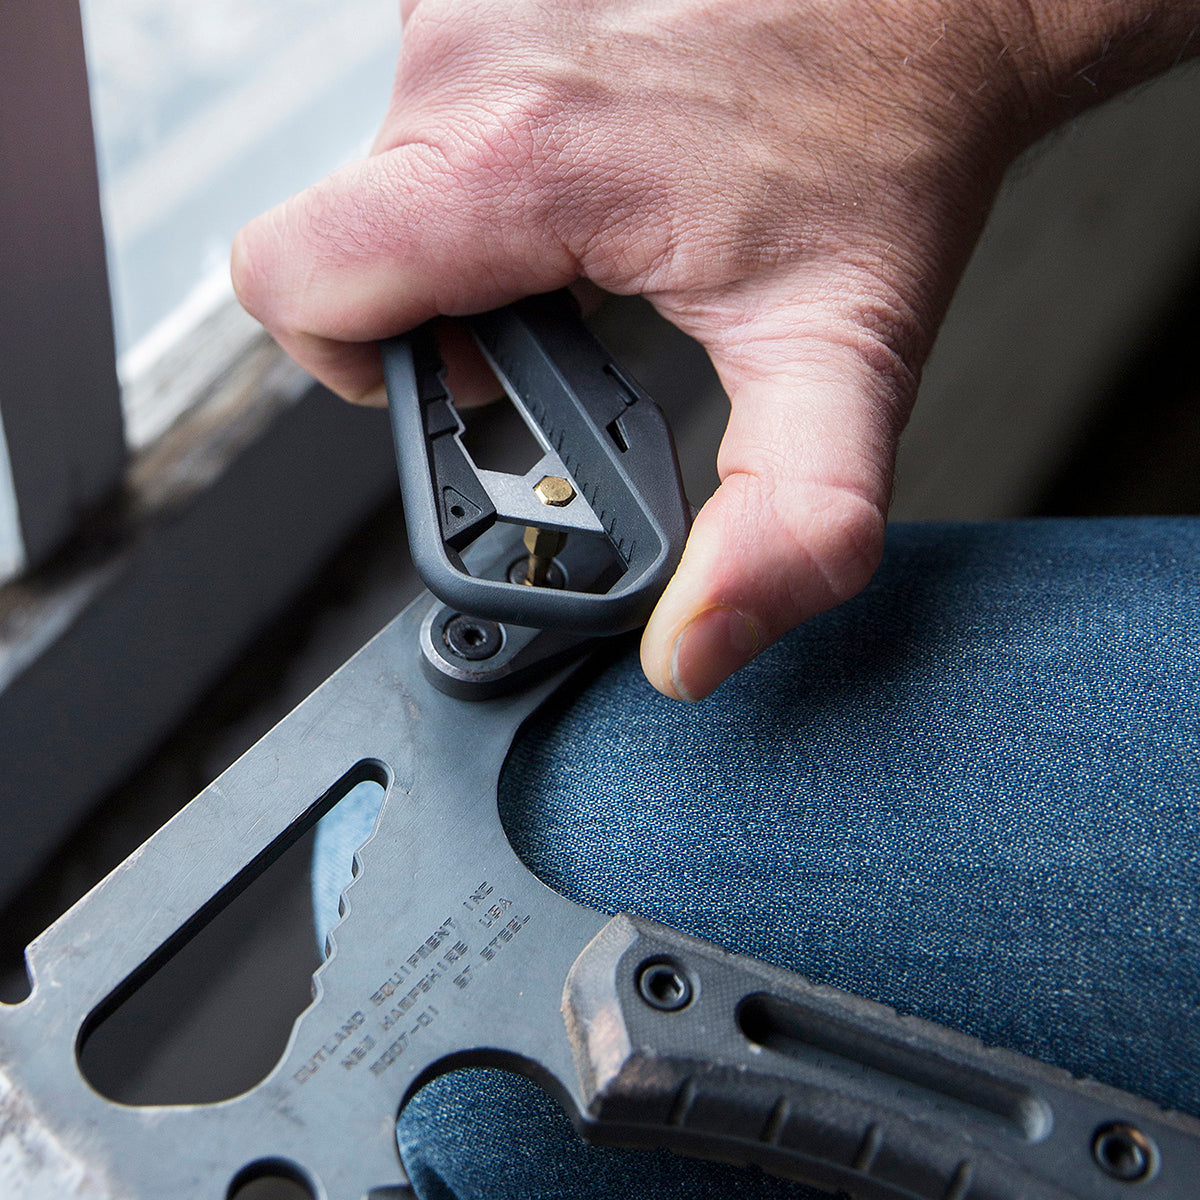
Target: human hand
{"x": 795, "y": 183}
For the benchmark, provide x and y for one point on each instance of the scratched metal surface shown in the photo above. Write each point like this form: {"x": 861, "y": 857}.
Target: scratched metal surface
{"x": 447, "y": 946}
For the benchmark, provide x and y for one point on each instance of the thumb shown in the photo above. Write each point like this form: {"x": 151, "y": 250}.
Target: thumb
{"x": 797, "y": 524}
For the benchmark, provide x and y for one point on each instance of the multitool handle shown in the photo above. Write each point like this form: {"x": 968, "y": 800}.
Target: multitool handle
{"x": 683, "y": 1045}
{"x": 604, "y": 509}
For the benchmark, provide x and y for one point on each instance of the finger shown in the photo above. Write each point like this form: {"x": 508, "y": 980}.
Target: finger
{"x": 383, "y": 245}
{"x": 469, "y": 378}
{"x": 407, "y": 8}
{"x": 796, "y": 525}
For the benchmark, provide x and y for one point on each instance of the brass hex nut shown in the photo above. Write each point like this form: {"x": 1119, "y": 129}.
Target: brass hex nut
{"x": 554, "y": 490}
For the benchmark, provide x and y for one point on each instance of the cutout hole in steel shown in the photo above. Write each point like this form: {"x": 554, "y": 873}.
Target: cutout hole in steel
{"x": 196, "y": 997}
{"x": 271, "y": 1179}
{"x": 617, "y": 433}
{"x": 497, "y": 438}
{"x": 15, "y": 982}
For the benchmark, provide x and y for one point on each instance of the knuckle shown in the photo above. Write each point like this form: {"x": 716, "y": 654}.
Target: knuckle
{"x": 253, "y": 267}
{"x": 347, "y": 223}
{"x": 843, "y": 538}
{"x": 826, "y": 539}
{"x": 277, "y": 259}
{"x": 243, "y": 272}
{"x": 880, "y": 330}
{"x": 832, "y": 533}
{"x": 497, "y": 160}
{"x": 879, "y": 343}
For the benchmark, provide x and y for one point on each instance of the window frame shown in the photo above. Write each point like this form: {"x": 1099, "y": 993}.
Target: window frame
{"x": 147, "y": 574}
{"x": 60, "y": 402}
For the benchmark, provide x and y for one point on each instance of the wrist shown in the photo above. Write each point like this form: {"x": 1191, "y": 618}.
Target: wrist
{"x": 1084, "y": 51}
{"x": 1006, "y": 72}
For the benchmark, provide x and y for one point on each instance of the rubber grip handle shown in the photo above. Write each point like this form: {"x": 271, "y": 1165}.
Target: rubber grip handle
{"x": 682, "y": 1045}
{"x": 596, "y": 427}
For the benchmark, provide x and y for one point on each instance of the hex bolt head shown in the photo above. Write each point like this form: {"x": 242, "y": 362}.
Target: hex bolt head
{"x": 554, "y": 490}
{"x": 544, "y": 544}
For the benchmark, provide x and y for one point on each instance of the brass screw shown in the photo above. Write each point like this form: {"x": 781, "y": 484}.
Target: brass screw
{"x": 543, "y": 545}
{"x": 554, "y": 490}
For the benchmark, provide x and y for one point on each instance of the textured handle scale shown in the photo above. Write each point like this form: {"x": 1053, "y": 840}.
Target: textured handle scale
{"x": 680, "y": 1044}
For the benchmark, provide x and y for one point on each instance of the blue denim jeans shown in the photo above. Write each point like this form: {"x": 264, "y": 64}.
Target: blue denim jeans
{"x": 972, "y": 793}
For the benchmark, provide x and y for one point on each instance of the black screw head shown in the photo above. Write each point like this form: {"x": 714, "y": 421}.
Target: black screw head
{"x": 1124, "y": 1152}
{"x": 472, "y": 638}
{"x": 664, "y": 985}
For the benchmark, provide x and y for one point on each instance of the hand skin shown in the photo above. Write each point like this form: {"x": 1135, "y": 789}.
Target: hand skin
{"x": 795, "y": 183}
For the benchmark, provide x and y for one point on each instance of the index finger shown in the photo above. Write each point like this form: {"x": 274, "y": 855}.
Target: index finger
{"x": 381, "y": 246}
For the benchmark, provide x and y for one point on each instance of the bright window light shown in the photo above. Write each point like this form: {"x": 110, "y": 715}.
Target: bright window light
{"x": 205, "y": 115}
